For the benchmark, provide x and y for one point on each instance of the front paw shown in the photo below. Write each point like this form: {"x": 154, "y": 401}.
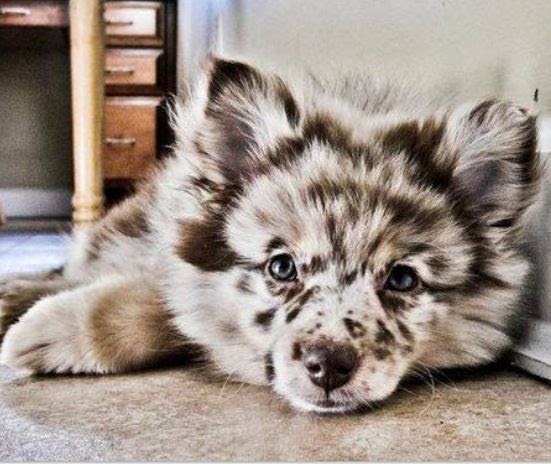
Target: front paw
{"x": 28, "y": 346}
{"x": 18, "y": 295}
{"x": 48, "y": 339}
{"x": 13, "y": 304}
{"x": 26, "y": 358}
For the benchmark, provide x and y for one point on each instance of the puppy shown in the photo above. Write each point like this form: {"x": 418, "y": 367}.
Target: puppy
{"x": 322, "y": 237}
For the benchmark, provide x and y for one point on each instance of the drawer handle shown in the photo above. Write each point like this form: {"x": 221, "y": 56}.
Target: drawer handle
{"x": 120, "y": 141}
{"x": 14, "y": 11}
{"x": 119, "y": 22}
{"x": 120, "y": 70}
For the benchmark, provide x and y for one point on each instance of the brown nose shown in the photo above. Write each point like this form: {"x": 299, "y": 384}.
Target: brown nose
{"x": 330, "y": 365}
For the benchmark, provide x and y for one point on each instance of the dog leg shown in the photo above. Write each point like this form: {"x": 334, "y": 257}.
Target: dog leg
{"x": 19, "y": 293}
{"x": 113, "y": 325}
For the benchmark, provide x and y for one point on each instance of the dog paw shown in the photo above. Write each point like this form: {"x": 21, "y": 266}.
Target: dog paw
{"x": 19, "y": 294}
{"x": 14, "y": 302}
{"x": 40, "y": 342}
{"x": 26, "y": 358}
{"x": 50, "y": 337}
{"x": 23, "y": 357}
{"x": 28, "y": 342}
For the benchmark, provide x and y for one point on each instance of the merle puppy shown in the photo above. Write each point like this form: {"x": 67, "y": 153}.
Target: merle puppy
{"x": 323, "y": 237}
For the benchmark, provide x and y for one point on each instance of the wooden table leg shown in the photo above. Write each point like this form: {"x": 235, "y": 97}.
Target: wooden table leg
{"x": 87, "y": 48}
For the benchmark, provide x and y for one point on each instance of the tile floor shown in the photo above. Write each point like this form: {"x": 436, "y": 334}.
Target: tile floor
{"x": 32, "y": 251}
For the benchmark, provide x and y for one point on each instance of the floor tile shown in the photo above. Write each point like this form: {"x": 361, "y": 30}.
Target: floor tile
{"x": 47, "y": 241}
{"x": 9, "y": 240}
{"x": 32, "y": 252}
{"x": 15, "y": 262}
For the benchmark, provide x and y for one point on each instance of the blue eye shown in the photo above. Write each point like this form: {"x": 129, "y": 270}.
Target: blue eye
{"x": 282, "y": 267}
{"x": 401, "y": 279}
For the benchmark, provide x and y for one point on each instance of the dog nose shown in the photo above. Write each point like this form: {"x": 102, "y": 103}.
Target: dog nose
{"x": 330, "y": 365}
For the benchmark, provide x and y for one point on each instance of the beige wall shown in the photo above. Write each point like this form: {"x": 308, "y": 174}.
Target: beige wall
{"x": 477, "y": 47}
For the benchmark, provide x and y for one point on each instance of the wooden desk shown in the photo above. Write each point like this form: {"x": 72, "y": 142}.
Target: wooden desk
{"x": 124, "y": 49}
{"x": 87, "y": 50}
{"x": 87, "y": 57}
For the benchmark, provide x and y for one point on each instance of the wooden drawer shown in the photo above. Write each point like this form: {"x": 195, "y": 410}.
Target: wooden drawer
{"x": 132, "y": 70}
{"x": 134, "y": 23}
{"x": 130, "y": 136}
{"x": 29, "y": 13}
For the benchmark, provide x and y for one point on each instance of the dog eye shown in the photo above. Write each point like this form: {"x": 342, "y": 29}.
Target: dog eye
{"x": 401, "y": 279}
{"x": 282, "y": 267}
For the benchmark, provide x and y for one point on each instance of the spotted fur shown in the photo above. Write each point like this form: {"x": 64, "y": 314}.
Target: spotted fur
{"x": 350, "y": 178}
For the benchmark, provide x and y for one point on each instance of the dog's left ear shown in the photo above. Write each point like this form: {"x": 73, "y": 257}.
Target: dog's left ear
{"x": 246, "y": 112}
{"x": 497, "y": 168}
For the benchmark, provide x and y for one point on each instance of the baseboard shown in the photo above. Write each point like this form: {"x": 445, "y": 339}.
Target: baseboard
{"x": 534, "y": 355}
{"x": 36, "y": 203}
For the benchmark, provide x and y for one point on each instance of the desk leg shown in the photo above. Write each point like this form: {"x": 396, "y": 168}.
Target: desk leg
{"x": 87, "y": 45}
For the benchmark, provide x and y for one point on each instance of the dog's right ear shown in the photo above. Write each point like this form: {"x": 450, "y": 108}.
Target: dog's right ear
{"x": 245, "y": 113}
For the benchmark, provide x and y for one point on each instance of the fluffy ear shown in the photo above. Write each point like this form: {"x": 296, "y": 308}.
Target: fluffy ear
{"x": 246, "y": 112}
{"x": 497, "y": 169}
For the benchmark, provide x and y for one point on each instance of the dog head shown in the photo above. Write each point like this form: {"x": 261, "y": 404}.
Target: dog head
{"x": 328, "y": 239}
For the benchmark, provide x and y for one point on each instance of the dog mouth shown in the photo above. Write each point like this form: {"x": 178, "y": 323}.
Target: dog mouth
{"x": 335, "y": 406}
{"x": 325, "y": 406}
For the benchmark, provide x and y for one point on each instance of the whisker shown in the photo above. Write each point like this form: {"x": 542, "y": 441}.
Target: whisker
{"x": 433, "y": 391}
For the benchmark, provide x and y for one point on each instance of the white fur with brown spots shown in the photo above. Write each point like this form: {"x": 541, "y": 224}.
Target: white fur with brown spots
{"x": 398, "y": 221}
